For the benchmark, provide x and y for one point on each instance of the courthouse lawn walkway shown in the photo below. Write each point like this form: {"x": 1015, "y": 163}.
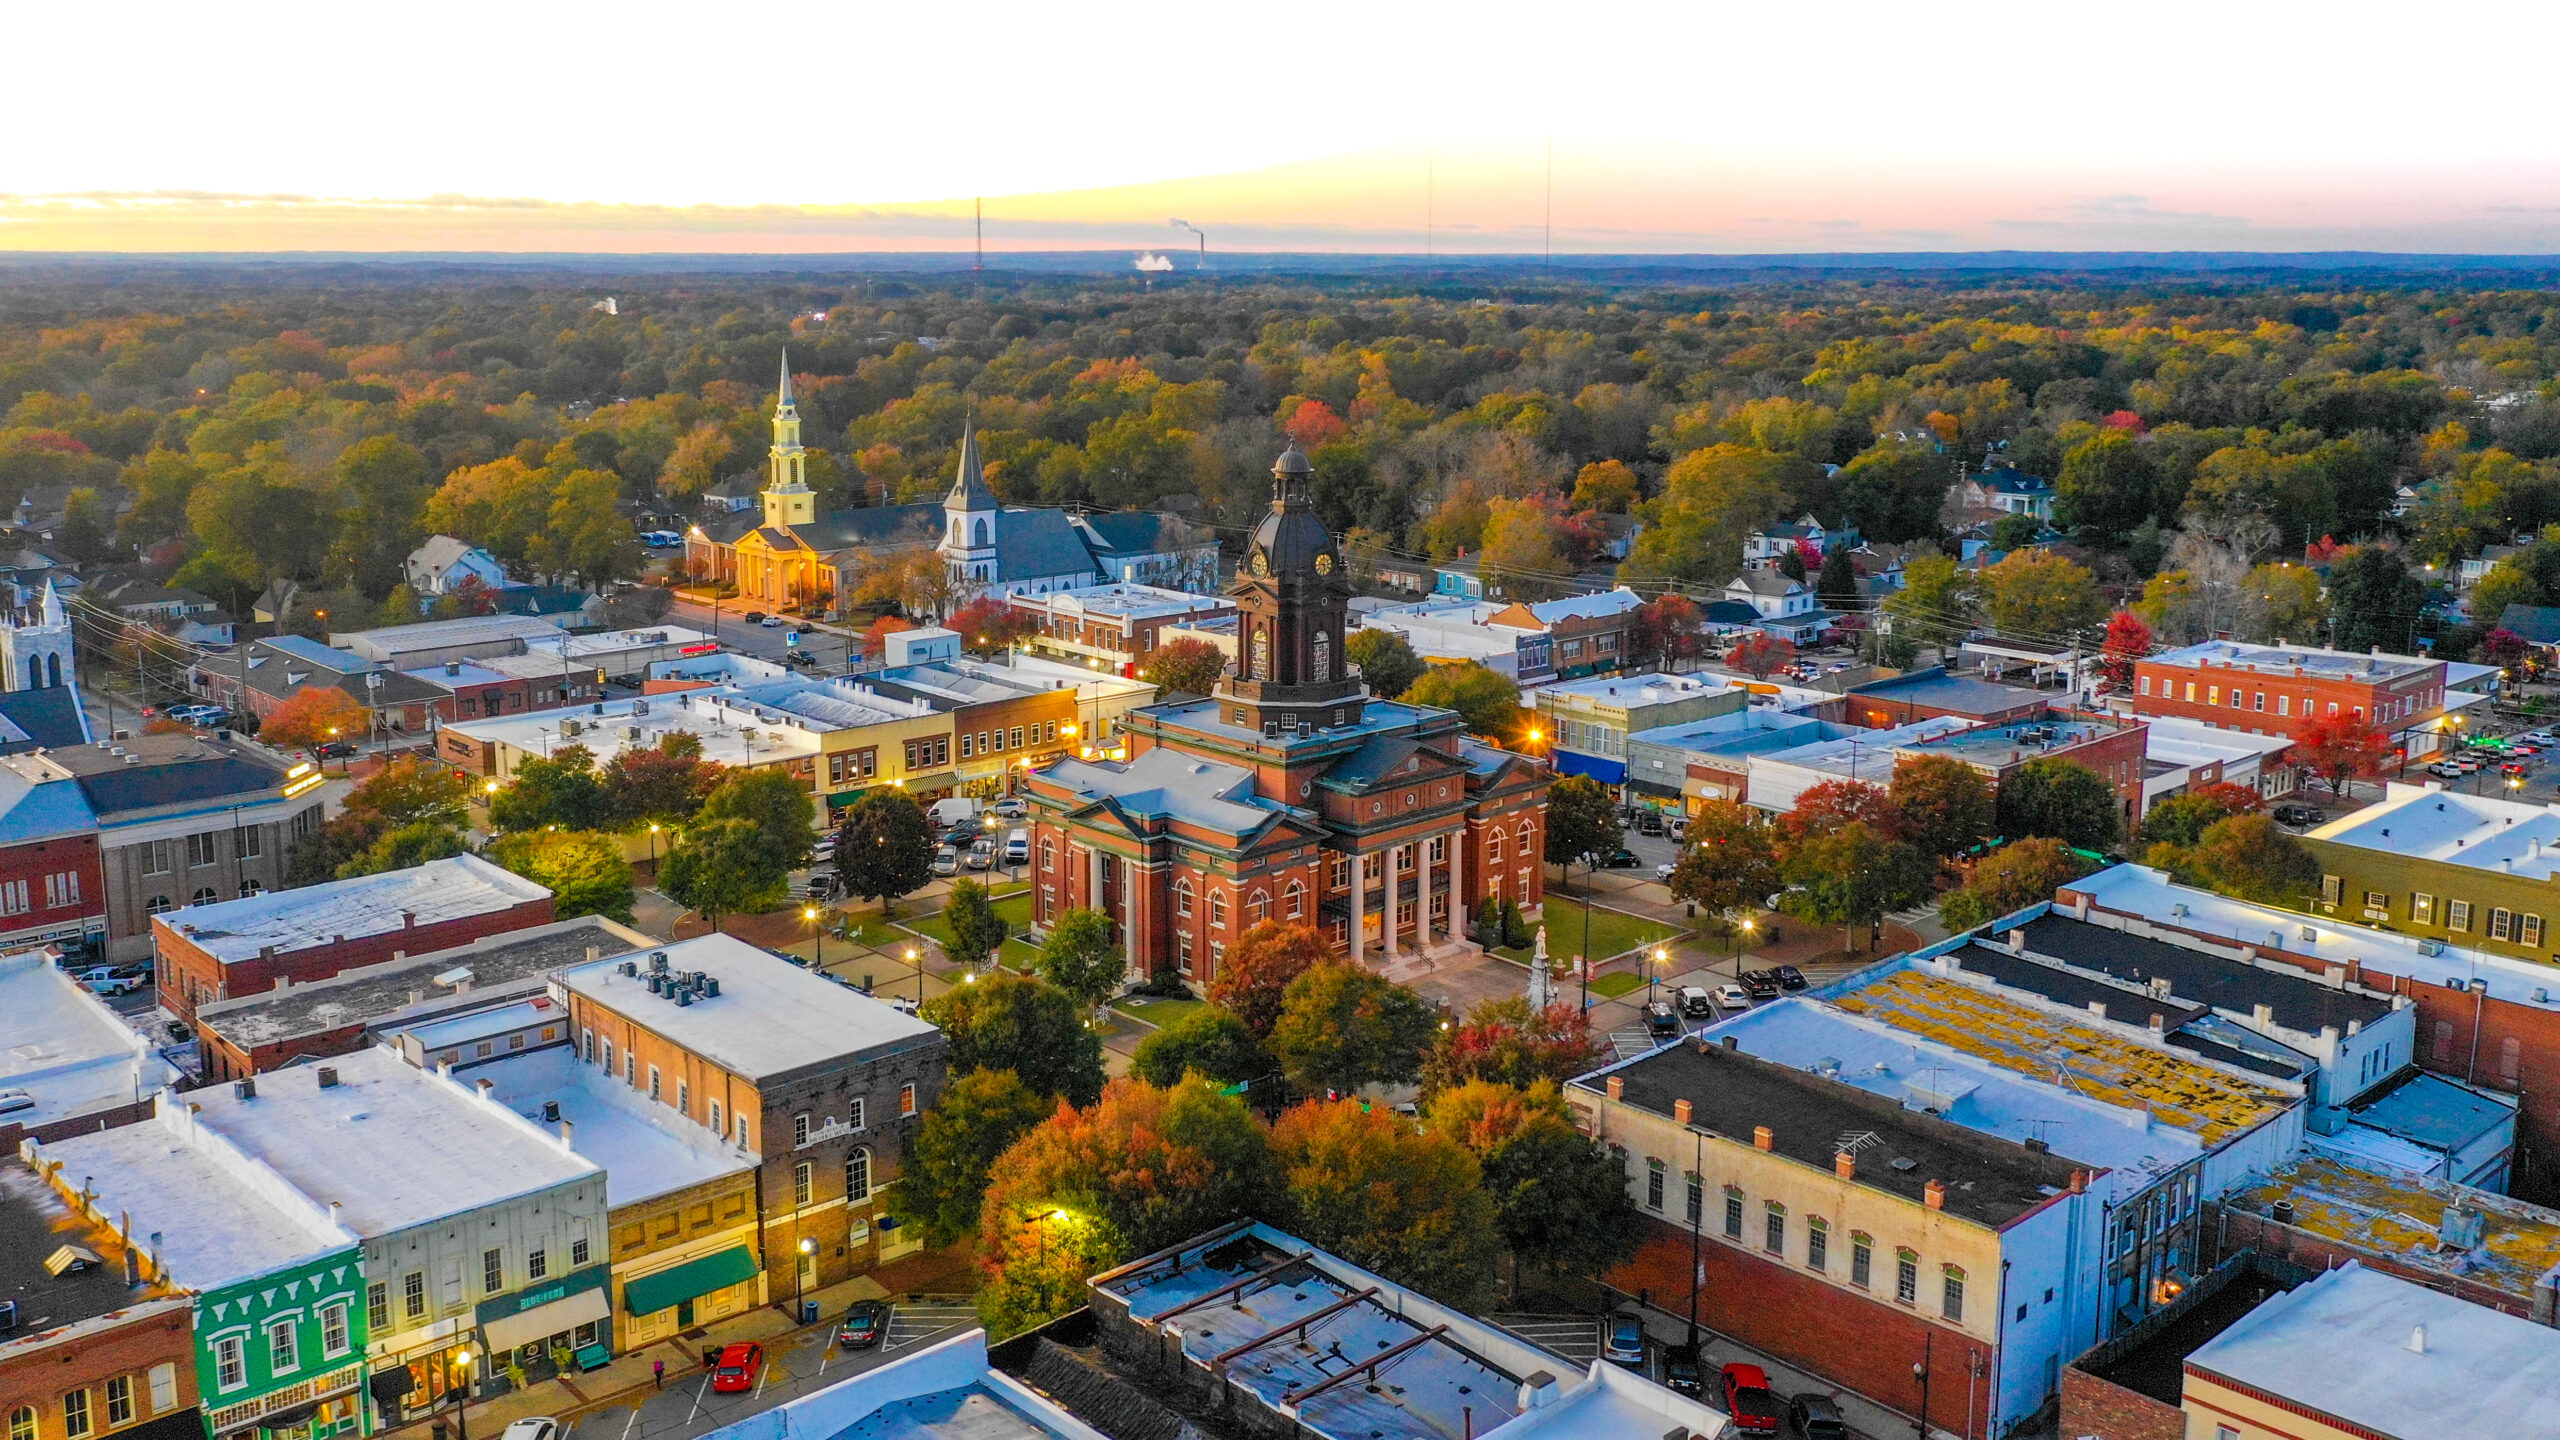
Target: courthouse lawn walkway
{"x": 1613, "y": 932}
{"x": 1013, "y": 909}
{"x": 1158, "y": 1011}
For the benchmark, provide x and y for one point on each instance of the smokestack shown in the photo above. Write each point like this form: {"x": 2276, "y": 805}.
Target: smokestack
{"x": 2079, "y": 1182}
{"x": 1844, "y": 1164}
{"x": 1680, "y": 1111}
{"x": 568, "y": 1132}
{"x": 1935, "y": 1196}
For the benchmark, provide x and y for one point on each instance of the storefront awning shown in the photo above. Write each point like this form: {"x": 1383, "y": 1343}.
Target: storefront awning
{"x": 842, "y": 798}
{"x": 688, "y": 1281}
{"x": 525, "y": 1327}
{"x": 938, "y": 780}
{"x": 1600, "y": 768}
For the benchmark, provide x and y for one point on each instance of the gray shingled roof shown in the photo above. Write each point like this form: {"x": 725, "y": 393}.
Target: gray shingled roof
{"x": 1036, "y": 544}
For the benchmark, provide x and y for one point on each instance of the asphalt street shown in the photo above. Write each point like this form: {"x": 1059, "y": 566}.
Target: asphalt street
{"x": 795, "y": 1365}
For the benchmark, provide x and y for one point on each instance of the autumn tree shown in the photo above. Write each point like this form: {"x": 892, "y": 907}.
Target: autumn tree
{"x": 1259, "y": 968}
{"x": 2039, "y": 595}
{"x": 1386, "y": 661}
{"x": 1342, "y": 1027}
{"x": 875, "y": 640}
{"x": 1711, "y": 501}
{"x": 410, "y": 791}
{"x": 403, "y": 846}
{"x": 1853, "y": 877}
{"x": 583, "y": 869}
{"x": 314, "y": 716}
{"x": 2128, "y": 640}
{"x": 1935, "y": 605}
{"x": 976, "y": 930}
{"x": 1730, "y": 860}
{"x": 2244, "y": 856}
{"x": 1582, "y": 819}
{"x": 988, "y": 624}
{"x": 1607, "y": 486}
{"x": 1192, "y": 667}
{"x": 2503, "y": 648}
{"x": 664, "y": 783}
{"x": 1504, "y": 1041}
{"x": 2181, "y": 820}
{"x": 2010, "y": 879}
{"x": 1760, "y": 654}
{"x": 560, "y": 790}
{"x": 1373, "y": 1187}
{"x": 943, "y": 1184}
{"x": 1015, "y": 1022}
{"x": 2340, "y": 749}
{"x": 2061, "y": 798}
{"x": 1080, "y": 957}
{"x": 1666, "y": 631}
{"x": 1834, "y": 805}
{"x": 1946, "y": 806}
{"x": 1486, "y": 699}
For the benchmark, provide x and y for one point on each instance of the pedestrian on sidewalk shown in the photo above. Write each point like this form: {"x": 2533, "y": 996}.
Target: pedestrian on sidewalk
{"x": 658, "y": 1372}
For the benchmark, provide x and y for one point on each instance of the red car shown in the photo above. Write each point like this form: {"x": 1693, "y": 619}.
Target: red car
{"x": 1747, "y": 1398}
{"x": 738, "y": 1368}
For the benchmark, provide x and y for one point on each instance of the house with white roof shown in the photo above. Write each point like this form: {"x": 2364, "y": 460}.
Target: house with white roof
{"x": 443, "y": 564}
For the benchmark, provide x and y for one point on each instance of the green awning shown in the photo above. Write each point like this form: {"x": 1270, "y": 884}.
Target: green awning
{"x": 841, "y": 798}
{"x": 690, "y": 1280}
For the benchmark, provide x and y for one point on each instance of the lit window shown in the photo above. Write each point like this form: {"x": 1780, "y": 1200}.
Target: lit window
{"x": 284, "y": 1350}
{"x": 907, "y": 1099}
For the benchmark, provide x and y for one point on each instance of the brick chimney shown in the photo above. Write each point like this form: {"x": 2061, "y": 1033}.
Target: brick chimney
{"x": 1935, "y": 1196}
{"x": 1763, "y": 1138}
{"x": 1681, "y": 1111}
{"x": 1844, "y": 1164}
{"x": 1617, "y": 1087}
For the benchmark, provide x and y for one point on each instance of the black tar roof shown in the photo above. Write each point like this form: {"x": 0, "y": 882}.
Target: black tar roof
{"x": 2128, "y": 1006}
{"x": 1954, "y": 693}
{"x": 1989, "y": 1181}
{"x": 500, "y": 965}
{"x": 50, "y": 717}
{"x": 173, "y": 770}
{"x": 2299, "y": 1002}
{"x": 31, "y": 1221}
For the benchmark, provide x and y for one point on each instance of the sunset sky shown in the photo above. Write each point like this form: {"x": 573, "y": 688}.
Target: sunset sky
{"x": 1325, "y": 126}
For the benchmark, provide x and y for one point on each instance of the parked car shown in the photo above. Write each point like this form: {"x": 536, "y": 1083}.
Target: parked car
{"x": 863, "y": 1325}
{"x": 1696, "y": 1003}
{"x": 110, "y": 982}
{"x": 982, "y": 853}
{"x": 1732, "y": 996}
{"x": 1762, "y": 984}
{"x": 772, "y": 622}
{"x": 1663, "y": 873}
{"x": 1017, "y": 847}
{"x": 1748, "y": 1399}
{"x": 1680, "y": 1370}
{"x": 946, "y": 861}
{"x": 1815, "y": 1417}
{"x": 1649, "y": 822}
{"x": 2298, "y": 816}
{"x": 1791, "y": 978}
{"x": 1660, "y": 1020}
{"x": 1625, "y": 1345}
{"x": 801, "y": 659}
{"x": 756, "y": 617}
{"x": 13, "y": 1100}
{"x": 661, "y": 539}
{"x": 1012, "y": 807}
{"x": 334, "y": 748}
{"x": 1620, "y": 859}
{"x": 532, "y": 1427}
{"x": 738, "y": 1368}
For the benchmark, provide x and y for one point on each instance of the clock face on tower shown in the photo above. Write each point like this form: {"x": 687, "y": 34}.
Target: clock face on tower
{"x": 1261, "y": 563}
{"x": 1324, "y": 564}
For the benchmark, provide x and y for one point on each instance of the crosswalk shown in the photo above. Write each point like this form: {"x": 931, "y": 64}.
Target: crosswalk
{"x": 1575, "y": 1337}
{"x": 1631, "y": 1042}
{"x": 1915, "y": 917}
{"x": 910, "y": 1324}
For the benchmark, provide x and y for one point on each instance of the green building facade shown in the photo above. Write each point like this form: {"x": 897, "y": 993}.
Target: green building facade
{"x": 280, "y": 1356}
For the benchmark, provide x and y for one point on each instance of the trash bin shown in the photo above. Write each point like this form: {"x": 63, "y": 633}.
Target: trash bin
{"x": 808, "y": 1312}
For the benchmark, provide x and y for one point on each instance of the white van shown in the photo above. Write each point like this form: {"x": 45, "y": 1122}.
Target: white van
{"x": 947, "y": 813}
{"x": 1017, "y": 847}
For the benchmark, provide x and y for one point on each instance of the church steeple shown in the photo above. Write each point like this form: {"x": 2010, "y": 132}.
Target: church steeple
{"x": 787, "y": 498}
{"x": 969, "y": 514}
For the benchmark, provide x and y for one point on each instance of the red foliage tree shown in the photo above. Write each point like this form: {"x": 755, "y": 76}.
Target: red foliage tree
{"x": 1760, "y": 655}
{"x": 1666, "y": 629}
{"x": 2322, "y": 550}
{"x": 875, "y": 641}
{"x": 1259, "y": 968}
{"x": 315, "y": 715}
{"x": 1809, "y": 552}
{"x": 2128, "y": 640}
{"x": 1314, "y": 423}
{"x": 2124, "y": 420}
{"x": 1835, "y": 804}
{"x": 987, "y": 625}
{"x": 2503, "y": 647}
{"x": 2338, "y": 749}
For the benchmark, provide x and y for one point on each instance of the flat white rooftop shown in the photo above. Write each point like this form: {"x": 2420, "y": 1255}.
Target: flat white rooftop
{"x": 2429, "y": 822}
{"x": 770, "y": 1018}
{"x": 647, "y": 1149}
{"x": 1629, "y": 691}
{"x": 65, "y": 1048}
{"x": 395, "y": 1146}
{"x": 170, "y": 1175}
{"x": 944, "y": 1392}
{"x": 2395, "y": 1359}
{"x": 395, "y": 900}
{"x": 2286, "y": 659}
{"x": 733, "y": 730}
{"x": 1125, "y": 600}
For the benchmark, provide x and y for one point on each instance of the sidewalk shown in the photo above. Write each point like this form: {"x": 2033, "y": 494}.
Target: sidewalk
{"x": 634, "y": 1372}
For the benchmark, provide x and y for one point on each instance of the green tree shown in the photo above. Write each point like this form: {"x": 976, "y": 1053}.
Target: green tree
{"x": 1711, "y": 501}
{"x": 1081, "y": 958}
{"x": 2247, "y": 857}
{"x": 1582, "y": 819}
{"x": 1560, "y": 1200}
{"x": 664, "y": 784}
{"x": 1013, "y": 1021}
{"x": 563, "y": 791}
{"x": 2063, "y": 799}
{"x": 2008, "y": 880}
{"x": 2106, "y": 485}
{"x": 976, "y": 929}
{"x": 2181, "y": 820}
{"x": 1342, "y": 1027}
{"x": 776, "y": 803}
{"x": 411, "y": 791}
{"x": 943, "y": 1184}
{"x": 1935, "y": 604}
{"x": 1209, "y": 1040}
{"x": 1190, "y": 666}
{"x": 415, "y": 843}
{"x": 1386, "y": 661}
{"x": 1488, "y": 700}
{"x": 1853, "y": 877}
{"x": 583, "y": 869}
{"x": 1837, "y": 586}
{"x": 1945, "y": 804}
{"x": 2038, "y": 595}
{"x": 1893, "y": 491}
{"x": 723, "y": 867}
{"x": 1372, "y": 1187}
{"x": 2374, "y": 601}
{"x": 2282, "y": 600}
{"x": 885, "y": 847}
{"x": 1730, "y": 861}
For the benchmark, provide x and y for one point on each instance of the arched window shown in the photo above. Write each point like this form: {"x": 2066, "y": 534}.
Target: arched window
{"x": 1217, "y": 909}
{"x": 1528, "y": 839}
{"x": 1320, "y": 657}
{"x": 1257, "y": 907}
{"x": 159, "y": 905}
{"x": 1182, "y": 898}
{"x": 982, "y": 536}
{"x": 35, "y": 673}
{"x": 857, "y": 1175}
{"x": 22, "y": 1423}
{"x": 1261, "y": 654}
{"x": 204, "y": 896}
{"x": 1493, "y": 847}
{"x": 1294, "y": 899}
{"x": 251, "y": 887}
{"x": 52, "y": 671}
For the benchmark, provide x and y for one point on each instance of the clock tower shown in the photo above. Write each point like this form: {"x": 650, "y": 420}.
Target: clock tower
{"x": 1292, "y": 598}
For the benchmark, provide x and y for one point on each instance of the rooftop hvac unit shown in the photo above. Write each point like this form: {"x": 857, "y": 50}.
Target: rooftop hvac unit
{"x": 631, "y": 733}
{"x": 569, "y": 728}
{"x": 629, "y": 967}
{"x": 2461, "y": 1229}
{"x": 8, "y": 1315}
{"x": 657, "y": 962}
{"x": 639, "y": 709}
{"x": 2430, "y": 947}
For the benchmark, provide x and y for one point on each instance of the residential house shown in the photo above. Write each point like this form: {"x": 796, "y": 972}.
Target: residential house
{"x": 444, "y": 564}
{"x": 2006, "y": 490}
{"x": 1766, "y": 547}
{"x": 259, "y": 677}
{"x": 1587, "y": 634}
{"x": 1787, "y": 609}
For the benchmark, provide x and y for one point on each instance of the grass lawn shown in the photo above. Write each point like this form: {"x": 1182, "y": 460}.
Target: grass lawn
{"x": 1019, "y": 955}
{"x": 872, "y": 932}
{"x": 1615, "y": 984}
{"x": 1014, "y": 910}
{"x": 1158, "y": 1010}
{"x": 1612, "y": 932}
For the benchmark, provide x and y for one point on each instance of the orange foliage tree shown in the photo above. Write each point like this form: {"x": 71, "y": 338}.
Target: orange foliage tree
{"x": 314, "y": 716}
{"x": 1258, "y": 970}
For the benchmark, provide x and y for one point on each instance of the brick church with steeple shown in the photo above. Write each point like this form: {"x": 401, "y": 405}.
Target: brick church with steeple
{"x": 1289, "y": 793}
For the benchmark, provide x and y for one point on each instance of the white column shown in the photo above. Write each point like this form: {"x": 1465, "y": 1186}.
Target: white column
{"x": 1092, "y": 878}
{"x": 1457, "y": 883}
{"x": 1359, "y": 904}
{"x": 1390, "y": 916}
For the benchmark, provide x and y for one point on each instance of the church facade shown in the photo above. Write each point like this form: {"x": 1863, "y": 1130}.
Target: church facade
{"x": 786, "y": 555}
{"x": 35, "y": 651}
{"x": 1289, "y": 793}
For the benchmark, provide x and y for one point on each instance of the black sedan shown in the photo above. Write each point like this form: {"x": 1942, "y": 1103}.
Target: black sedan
{"x": 1761, "y": 984}
{"x": 1618, "y": 859}
{"x": 863, "y": 1325}
{"x": 1661, "y": 1020}
{"x": 1791, "y": 978}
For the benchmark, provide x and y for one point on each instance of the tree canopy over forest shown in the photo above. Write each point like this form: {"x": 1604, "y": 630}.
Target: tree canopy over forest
{"x": 271, "y": 422}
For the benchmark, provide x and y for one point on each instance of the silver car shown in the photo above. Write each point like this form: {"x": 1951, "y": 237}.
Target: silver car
{"x": 946, "y": 861}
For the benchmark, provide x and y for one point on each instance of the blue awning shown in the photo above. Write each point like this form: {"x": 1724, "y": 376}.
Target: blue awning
{"x": 1600, "y": 768}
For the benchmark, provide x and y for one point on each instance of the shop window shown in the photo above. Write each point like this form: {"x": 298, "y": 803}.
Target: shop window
{"x": 857, "y": 1176}
{"x": 75, "y": 1413}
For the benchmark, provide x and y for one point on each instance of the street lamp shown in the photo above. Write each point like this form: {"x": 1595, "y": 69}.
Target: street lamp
{"x": 912, "y": 960}
{"x": 653, "y": 847}
{"x": 800, "y": 1272}
{"x": 462, "y": 1394}
{"x": 1661, "y": 962}
{"x": 1749, "y": 925}
{"x": 810, "y": 913}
